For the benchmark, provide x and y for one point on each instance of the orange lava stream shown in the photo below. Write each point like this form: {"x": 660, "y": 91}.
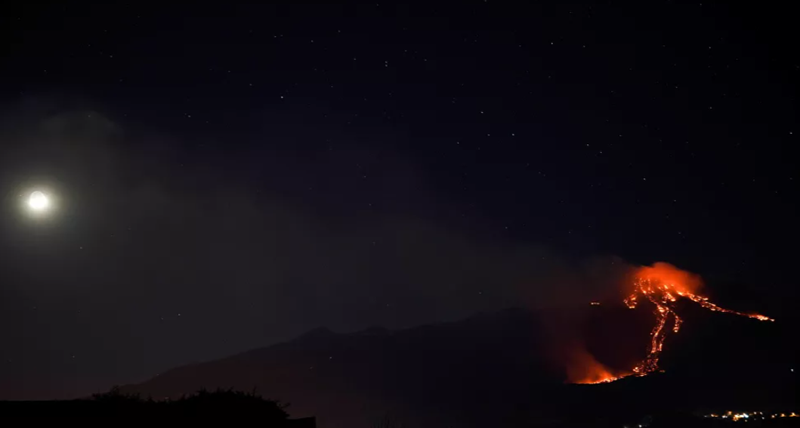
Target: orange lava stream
{"x": 663, "y": 296}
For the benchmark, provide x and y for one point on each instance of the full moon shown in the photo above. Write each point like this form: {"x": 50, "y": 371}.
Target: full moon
{"x": 38, "y": 201}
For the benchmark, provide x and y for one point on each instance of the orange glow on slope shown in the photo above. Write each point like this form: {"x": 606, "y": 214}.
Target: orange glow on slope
{"x": 599, "y": 377}
{"x": 584, "y": 369}
{"x": 662, "y": 284}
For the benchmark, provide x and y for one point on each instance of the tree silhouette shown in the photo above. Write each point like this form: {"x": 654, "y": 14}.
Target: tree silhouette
{"x": 225, "y": 403}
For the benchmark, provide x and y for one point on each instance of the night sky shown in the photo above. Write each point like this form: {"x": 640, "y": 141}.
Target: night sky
{"x": 225, "y": 177}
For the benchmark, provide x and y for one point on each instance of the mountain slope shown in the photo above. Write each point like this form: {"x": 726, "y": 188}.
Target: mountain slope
{"x": 355, "y": 378}
{"x": 488, "y": 370}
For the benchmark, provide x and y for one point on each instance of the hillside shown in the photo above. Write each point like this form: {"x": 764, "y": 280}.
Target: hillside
{"x": 489, "y": 369}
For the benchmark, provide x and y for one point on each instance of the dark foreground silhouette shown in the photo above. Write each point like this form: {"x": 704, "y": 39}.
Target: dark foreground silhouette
{"x": 219, "y": 405}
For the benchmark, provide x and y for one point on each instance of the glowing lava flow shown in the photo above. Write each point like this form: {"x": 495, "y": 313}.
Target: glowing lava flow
{"x": 663, "y": 295}
{"x": 662, "y": 285}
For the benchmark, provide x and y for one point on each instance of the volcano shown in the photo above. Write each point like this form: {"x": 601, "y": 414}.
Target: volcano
{"x": 493, "y": 369}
